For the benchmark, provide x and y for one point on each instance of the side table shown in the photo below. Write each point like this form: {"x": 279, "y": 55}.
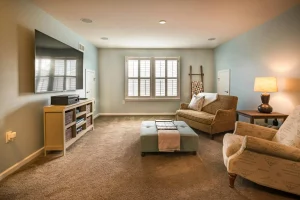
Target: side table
{"x": 254, "y": 114}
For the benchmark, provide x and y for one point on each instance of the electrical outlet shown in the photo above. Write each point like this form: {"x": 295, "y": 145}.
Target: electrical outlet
{"x": 10, "y": 136}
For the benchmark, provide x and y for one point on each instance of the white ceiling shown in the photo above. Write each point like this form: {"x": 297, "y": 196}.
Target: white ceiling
{"x": 134, "y": 23}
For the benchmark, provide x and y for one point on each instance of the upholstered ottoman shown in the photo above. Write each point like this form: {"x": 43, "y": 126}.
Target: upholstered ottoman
{"x": 149, "y": 137}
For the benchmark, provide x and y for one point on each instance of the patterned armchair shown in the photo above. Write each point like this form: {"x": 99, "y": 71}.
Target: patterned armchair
{"x": 265, "y": 156}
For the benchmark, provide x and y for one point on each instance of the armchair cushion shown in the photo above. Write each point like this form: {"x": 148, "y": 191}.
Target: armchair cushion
{"x": 243, "y": 129}
{"x": 271, "y": 148}
{"x": 198, "y": 116}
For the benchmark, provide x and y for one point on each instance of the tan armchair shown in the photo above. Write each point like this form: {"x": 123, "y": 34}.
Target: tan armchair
{"x": 218, "y": 116}
{"x": 264, "y": 155}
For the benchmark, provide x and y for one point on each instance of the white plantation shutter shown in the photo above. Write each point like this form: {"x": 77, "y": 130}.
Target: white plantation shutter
{"x": 160, "y": 87}
{"x": 160, "y": 72}
{"x": 145, "y": 87}
{"x": 133, "y": 87}
{"x": 160, "y": 68}
{"x": 172, "y": 87}
{"x": 145, "y": 73}
{"x": 172, "y": 68}
{"x": 145, "y": 68}
{"x": 133, "y": 68}
{"x": 172, "y": 83}
{"x": 133, "y": 84}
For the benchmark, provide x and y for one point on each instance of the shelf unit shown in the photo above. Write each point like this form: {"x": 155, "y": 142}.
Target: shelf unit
{"x": 64, "y": 125}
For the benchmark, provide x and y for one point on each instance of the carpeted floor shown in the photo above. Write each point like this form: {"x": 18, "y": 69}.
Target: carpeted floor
{"x": 106, "y": 164}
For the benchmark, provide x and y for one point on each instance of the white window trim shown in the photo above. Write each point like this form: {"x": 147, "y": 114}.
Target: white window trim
{"x": 152, "y": 96}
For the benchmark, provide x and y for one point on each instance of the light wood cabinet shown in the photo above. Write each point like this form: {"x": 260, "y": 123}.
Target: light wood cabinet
{"x": 63, "y": 125}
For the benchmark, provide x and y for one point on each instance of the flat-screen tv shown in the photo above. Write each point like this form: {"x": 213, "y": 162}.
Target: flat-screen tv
{"x": 58, "y": 67}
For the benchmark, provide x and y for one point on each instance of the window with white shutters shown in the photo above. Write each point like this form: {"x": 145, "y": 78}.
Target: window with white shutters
{"x": 166, "y": 84}
{"x": 152, "y": 78}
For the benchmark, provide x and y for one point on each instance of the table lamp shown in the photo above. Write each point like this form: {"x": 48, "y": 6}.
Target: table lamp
{"x": 265, "y": 85}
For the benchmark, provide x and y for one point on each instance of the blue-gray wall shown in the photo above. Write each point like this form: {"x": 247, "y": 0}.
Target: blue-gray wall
{"x": 112, "y": 78}
{"x": 20, "y": 109}
{"x": 271, "y": 49}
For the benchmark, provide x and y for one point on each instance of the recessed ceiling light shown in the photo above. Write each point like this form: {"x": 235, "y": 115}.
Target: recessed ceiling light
{"x": 162, "y": 21}
{"x": 86, "y": 20}
{"x": 104, "y": 38}
{"x": 211, "y": 39}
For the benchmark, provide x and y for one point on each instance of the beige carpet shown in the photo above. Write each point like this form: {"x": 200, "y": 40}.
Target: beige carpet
{"x": 106, "y": 164}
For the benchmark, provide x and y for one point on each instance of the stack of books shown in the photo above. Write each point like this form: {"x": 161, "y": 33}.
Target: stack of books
{"x": 165, "y": 124}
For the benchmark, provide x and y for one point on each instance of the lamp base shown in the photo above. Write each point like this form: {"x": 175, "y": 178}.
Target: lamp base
{"x": 265, "y": 108}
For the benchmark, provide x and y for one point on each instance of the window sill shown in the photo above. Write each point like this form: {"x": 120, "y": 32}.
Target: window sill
{"x": 151, "y": 99}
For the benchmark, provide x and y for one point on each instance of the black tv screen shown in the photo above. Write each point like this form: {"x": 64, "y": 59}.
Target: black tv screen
{"x": 58, "y": 67}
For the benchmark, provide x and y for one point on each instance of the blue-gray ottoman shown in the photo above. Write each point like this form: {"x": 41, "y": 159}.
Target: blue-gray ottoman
{"x": 149, "y": 137}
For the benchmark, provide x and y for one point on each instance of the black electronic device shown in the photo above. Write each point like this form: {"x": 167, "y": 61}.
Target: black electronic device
{"x": 64, "y": 99}
{"x": 58, "y": 67}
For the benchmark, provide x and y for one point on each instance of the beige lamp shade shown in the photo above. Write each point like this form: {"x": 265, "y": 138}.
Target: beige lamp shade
{"x": 265, "y": 84}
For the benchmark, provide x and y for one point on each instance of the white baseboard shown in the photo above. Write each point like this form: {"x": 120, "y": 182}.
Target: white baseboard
{"x": 96, "y": 115}
{"x": 21, "y": 163}
{"x": 134, "y": 114}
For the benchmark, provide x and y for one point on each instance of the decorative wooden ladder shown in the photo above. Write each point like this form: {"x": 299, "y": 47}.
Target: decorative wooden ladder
{"x": 191, "y": 80}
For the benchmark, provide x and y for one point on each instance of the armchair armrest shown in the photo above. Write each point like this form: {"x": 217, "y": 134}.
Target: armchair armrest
{"x": 224, "y": 115}
{"x": 243, "y": 128}
{"x": 271, "y": 148}
{"x": 184, "y": 106}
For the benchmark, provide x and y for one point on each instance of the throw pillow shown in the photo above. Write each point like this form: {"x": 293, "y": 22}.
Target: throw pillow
{"x": 209, "y": 97}
{"x": 196, "y": 103}
{"x": 289, "y": 131}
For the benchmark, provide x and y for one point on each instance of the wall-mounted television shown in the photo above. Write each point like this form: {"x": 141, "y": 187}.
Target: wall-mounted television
{"x": 58, "y": 67}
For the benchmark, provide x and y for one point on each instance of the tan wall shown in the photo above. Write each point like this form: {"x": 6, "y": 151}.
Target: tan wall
{"x": 112, "y": 78}
{"x": 20, "y": 109}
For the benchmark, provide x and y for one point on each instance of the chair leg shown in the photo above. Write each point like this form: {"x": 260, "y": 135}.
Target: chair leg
{"x": 231, "y": 179}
